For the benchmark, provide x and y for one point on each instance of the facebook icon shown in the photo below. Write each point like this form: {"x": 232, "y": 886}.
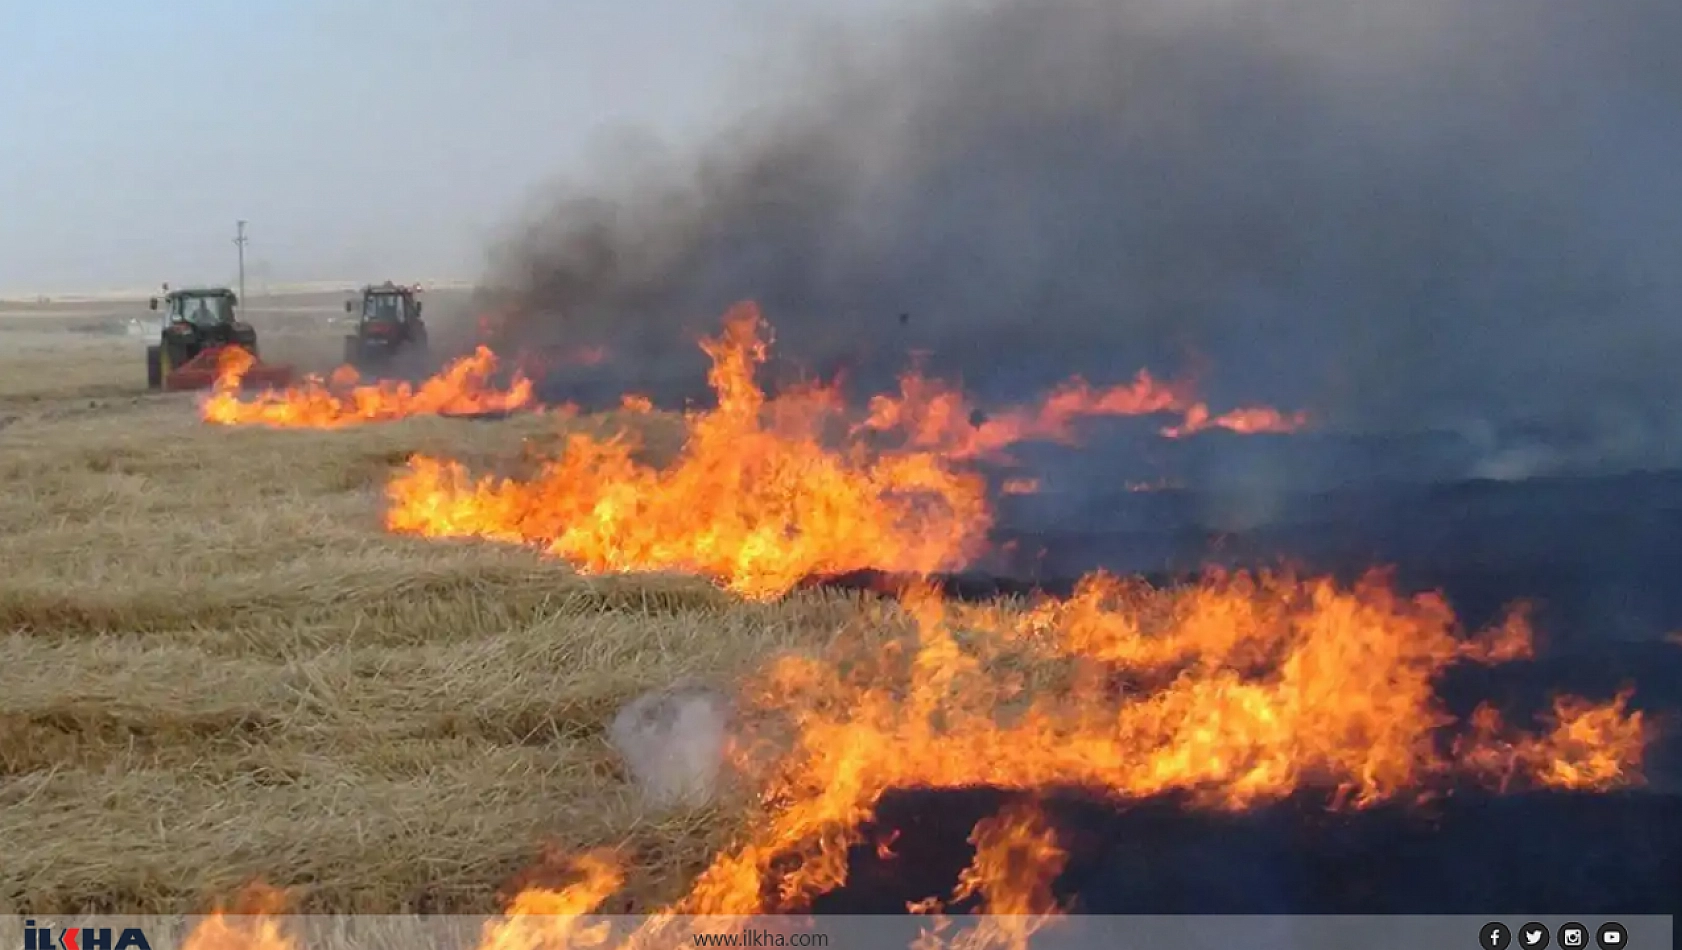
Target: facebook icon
{"x": 1494, "y": 936}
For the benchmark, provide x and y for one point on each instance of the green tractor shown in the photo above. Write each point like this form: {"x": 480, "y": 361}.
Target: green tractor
{"x": 389, "y": 323}
{"x": 198, "y": 325}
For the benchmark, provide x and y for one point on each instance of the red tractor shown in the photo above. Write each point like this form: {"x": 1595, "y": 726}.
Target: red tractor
{"x": 390, "y": 323}
{"x": 198, "y": 325}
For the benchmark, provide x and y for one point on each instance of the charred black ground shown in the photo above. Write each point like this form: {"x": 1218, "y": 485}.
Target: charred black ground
{"x": 1594, "y": 552}
{"x": 1540, "y": 852}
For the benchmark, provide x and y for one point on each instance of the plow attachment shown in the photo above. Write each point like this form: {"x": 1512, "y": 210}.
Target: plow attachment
{"x": 202, "y": 370}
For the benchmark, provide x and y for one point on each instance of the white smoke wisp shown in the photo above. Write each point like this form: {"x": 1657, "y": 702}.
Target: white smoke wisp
{"x": 674, "y": 742}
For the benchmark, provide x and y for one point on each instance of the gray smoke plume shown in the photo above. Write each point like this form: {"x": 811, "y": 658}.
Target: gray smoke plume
{"x": 1408, "y": 215}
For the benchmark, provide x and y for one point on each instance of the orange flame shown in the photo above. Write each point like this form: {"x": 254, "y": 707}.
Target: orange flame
{"x": 756, "y": 504}
{"x": 757, "y": 499}
{"x": 462, "y": 388}
{"x": 253, "y": 923}
{"x": 936, "y": 416}
{"x": 1247, "y": 688}
{"x": 1016, "y": 859}
{"x": 1246, "y": 421}
{"x": 544, "y": 918}
{"x": 1589, "y": 747}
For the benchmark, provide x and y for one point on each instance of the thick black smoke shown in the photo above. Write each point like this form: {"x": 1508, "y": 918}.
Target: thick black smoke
{"x": 1396, "y": 215}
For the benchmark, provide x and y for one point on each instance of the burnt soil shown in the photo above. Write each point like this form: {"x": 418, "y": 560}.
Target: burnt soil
{"x": 1472, "y": 853}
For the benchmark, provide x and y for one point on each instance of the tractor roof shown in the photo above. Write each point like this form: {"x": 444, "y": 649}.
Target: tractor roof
{"x": 199, "y": 292}
{"x": 390, "y": 288}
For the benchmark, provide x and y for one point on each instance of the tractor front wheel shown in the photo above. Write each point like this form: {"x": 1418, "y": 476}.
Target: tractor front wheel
{"x": 154, "y": 367}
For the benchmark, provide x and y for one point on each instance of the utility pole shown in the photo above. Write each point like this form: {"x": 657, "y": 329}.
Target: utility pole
{"x": 240, "y": 240}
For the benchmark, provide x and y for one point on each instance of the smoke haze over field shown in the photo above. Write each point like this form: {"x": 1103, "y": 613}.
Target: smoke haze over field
{"x": 1396, "y": 215}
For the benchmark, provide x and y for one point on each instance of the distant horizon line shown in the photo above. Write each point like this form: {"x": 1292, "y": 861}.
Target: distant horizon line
{"x": 18, "y": 295}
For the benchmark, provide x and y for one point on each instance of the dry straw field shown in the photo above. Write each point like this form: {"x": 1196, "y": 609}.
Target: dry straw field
{"x": 215, "y": 665}
{"x": 218, "y": 666}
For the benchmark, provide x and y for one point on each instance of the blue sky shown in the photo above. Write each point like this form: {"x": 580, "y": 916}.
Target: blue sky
{"x": 360, "y": 138}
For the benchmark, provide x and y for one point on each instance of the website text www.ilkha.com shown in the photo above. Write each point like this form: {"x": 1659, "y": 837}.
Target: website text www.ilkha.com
{"x": 761, "y": 938}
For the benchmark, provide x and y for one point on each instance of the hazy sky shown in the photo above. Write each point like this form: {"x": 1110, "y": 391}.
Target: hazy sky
{"x": 360, "y": 138}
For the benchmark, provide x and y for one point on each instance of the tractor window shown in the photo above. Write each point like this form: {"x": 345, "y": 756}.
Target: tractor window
{"x": 386, "y": 308}
{"x": 203, "y": 311}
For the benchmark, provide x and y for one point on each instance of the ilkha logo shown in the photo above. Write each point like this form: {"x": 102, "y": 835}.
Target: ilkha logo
{"x": 83, "y": 938}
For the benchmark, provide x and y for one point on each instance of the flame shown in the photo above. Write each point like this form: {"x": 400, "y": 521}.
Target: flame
{"x": 755, "y": 498}
{"x": 1244, "y": 689}
{"x": 253, "y": 923}
{"x": 544, "y": 918}
{"x": 464, "y": 387}
{"x": 1589, "y": 747}
{"x": 1016, "y": 860}
{"x": 1241, "y": 689}
{"x": 759, "y": 498}
{"x": 221, "y": 932}
{"x": 935, "y": 415}
{"x": 1250, "y": 420}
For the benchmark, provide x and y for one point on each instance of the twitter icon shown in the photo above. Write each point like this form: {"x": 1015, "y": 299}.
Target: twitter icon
{"x": 1532, "y": 937}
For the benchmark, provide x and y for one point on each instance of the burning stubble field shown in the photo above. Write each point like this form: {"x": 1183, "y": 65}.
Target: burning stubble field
{"x": 248, "y": 639}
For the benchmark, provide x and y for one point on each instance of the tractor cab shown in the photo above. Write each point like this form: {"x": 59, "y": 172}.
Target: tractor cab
{"x": 198, "y": 323}
{"x": 201, "y": 317}
{"x": 389, "y": 320}
{"x": 206, "y": 309}
{"x": 388, "y": 305}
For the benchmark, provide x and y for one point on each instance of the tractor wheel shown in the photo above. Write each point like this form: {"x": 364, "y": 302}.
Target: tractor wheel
{"x": 154, "y": 367}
